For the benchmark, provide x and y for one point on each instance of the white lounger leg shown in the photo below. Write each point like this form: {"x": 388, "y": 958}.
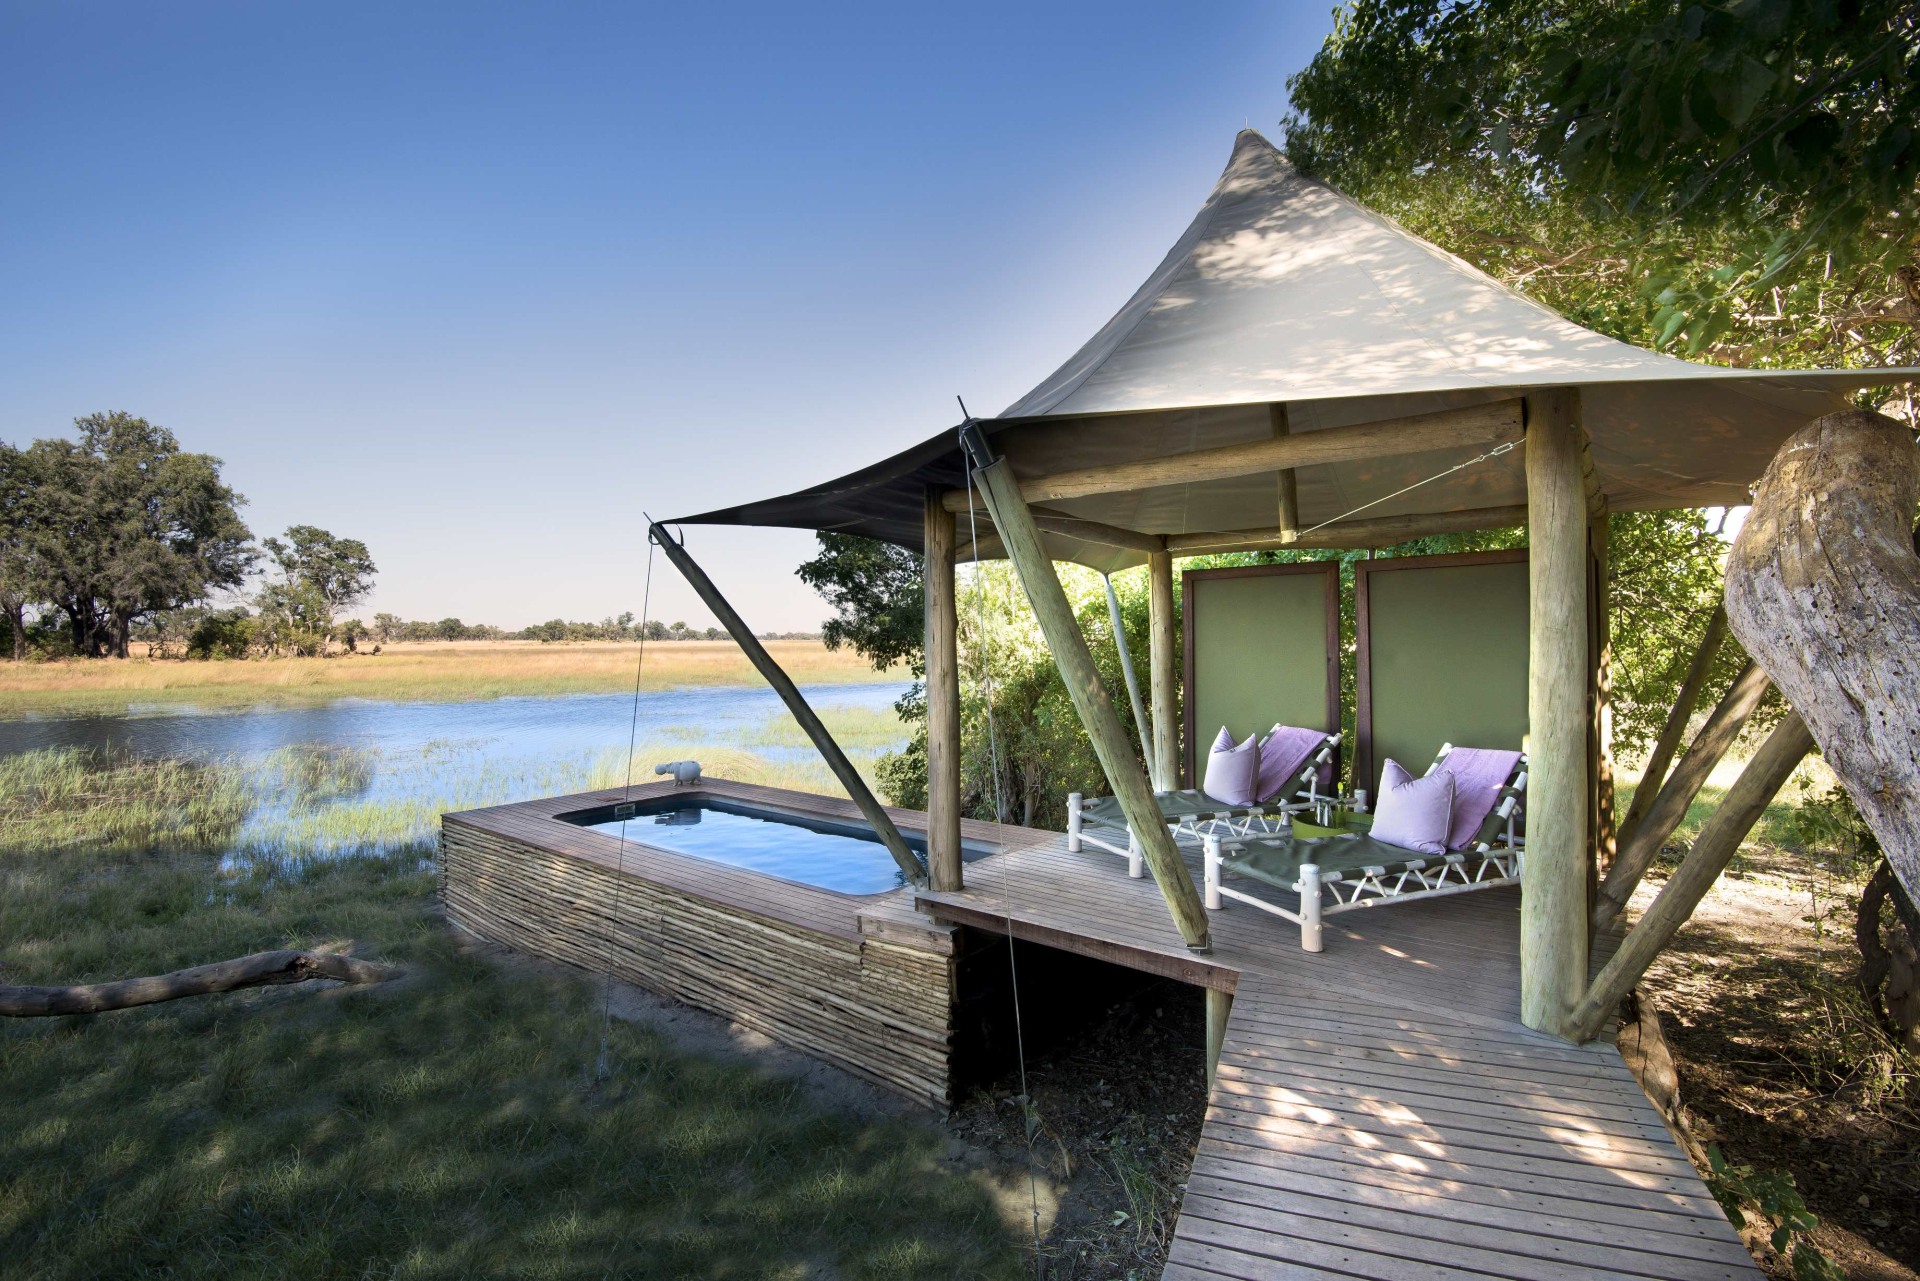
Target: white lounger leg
{"x": 1310, "y": 907}
{"x": 1074, "y": 822}
{"x": 1136, "y": 858}
{"x": 1212, "y": 875}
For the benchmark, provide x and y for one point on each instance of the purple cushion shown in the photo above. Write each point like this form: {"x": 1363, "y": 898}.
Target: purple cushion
{"x": 1478, "y": 775}
{"x": 1414, "y": 813}
{"x": 1282, "y": 755}
{"x": 1232, "y": 769}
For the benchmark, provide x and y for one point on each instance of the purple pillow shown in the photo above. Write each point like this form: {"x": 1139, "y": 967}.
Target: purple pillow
{"x": 1414, "y": 813}
{"x": 1233, "y": 770}
{"x": 1282, "y": 756}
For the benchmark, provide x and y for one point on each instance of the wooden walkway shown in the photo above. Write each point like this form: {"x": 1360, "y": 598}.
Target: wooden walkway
{"x": 1379, "y": 1110}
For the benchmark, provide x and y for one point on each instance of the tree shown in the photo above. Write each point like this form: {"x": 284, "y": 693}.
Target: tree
{"x": 226, "y": 633}
{"x": 19, "y": 579}
{"x": 320, "y": 575}
{"x": 123, "y": 524}
{"x": 387, "y": 627}
{"x": 878, "y": 598}
{"x": 351, "y": 633}
{"x": 1735, "y": 180}
{"x": 451, "y": 629}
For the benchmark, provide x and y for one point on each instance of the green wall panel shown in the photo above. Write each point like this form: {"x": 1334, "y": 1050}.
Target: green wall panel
{"x": 1260, "y": 655}
{"x": 1447, "y": 657}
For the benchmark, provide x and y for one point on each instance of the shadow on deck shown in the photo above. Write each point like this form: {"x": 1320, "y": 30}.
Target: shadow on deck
{"x": 1379, "y": 1111}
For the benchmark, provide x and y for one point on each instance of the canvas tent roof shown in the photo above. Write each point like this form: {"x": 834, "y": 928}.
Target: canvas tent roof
{"x": 1283, "y": 291}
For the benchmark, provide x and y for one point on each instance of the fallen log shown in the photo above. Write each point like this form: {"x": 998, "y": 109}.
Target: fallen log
{"x": 1823, "y": 589}
{"x": 262, "y": 969}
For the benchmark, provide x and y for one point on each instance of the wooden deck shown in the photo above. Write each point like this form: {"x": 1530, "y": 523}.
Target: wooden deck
{"x": 1379, "y": 1110}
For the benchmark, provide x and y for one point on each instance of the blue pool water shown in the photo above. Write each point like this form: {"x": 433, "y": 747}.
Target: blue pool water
{"x": 845, "y": 857}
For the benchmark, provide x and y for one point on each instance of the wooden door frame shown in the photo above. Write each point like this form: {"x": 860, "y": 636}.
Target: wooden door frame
{"x": 1191, "y": 578}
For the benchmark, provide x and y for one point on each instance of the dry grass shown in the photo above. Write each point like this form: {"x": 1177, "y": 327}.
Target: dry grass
{"x": 432, "y": 671}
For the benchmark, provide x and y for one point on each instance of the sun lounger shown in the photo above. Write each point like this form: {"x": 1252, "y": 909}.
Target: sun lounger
{"x": 1191, "y": 814}
{"x": 1341, "y": 873}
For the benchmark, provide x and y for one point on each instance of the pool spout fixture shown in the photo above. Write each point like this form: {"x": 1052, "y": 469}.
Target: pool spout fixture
{"x": 685, "y": 773}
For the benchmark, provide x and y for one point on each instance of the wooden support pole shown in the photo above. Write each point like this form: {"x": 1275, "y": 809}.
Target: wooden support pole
{"x": 1163, "y": 677}
{"x": 1140, "y": 721}
{"x": 789, "y": 693}
{"x": 1345, "y": 534}
{"x": 1600, "y": 535}
{"x": 1219, "y": 1009}
{"x": 944, "y": 861}
{"x": 1712, "y": 850}
{"x": 1553, "y": 903}
{"x": 1669, "y": 808}
{"x": 1677, "y": 720}
{"x": 1075, "y": 661}
{"x": 1289, "y": 486}
{"x": 1418, "y": 433}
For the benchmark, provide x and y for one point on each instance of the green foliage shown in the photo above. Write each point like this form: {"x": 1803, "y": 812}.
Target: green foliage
{"x": 445, "y": 1125}
{"x": 878, "y": 596}
{"x": 320, "y": 574}
{"x": 1732, "y": 180}
{"x": 113, "y": 528}
{"x": 1828, "y": 820}
{"x": 1666, "y": 571}
{"x": 1738, "y": 1189}
{"x": 294, "y": 619}
{"x": 60, "y": 798}
{"x": 352, "y": 632}
{"x": 226, "y": 633}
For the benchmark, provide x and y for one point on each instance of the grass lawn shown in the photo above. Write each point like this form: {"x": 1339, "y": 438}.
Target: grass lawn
{"x": 409, "y": 672}
{"x": 448, "y": 1124}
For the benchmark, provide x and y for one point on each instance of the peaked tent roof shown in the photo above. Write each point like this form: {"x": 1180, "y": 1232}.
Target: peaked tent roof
{"x": 1283, "y": 291}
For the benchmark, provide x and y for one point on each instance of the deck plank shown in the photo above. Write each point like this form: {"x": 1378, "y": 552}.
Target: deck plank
{"x": 1380, "y": 1112}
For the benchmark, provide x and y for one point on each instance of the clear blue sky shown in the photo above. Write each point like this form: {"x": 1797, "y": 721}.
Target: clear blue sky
{"x": 478, "y": 283}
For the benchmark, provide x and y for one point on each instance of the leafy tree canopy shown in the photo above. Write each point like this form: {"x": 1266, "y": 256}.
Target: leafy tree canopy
{"x": 338, "y": 570}
{"x": 1735, "y": 180}
{"x": 878, "y": 597}
{"x": 117, "y": 526}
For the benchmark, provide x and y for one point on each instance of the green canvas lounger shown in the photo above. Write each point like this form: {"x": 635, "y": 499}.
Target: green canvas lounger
{"x": 1345, "y": 872}
{"x": 1191, "y": 814}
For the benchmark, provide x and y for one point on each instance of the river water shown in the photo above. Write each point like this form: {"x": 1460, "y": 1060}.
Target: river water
{"x": 360, "y": 772}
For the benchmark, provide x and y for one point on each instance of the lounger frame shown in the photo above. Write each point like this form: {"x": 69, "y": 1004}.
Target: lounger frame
{"x": 1229, "y": 820}
{"x": 1487, "y": 864}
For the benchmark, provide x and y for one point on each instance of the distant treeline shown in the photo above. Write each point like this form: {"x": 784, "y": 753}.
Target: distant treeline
{"x": 237, "y": 632}
{"x": 388, "y": 627}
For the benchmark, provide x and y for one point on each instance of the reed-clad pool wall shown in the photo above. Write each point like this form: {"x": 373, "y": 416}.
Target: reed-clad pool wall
{"x": 862, "y": 981}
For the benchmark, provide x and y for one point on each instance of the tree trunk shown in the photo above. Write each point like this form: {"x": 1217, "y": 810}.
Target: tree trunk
{"x": 1823, "y": 588}
{"x": 258, "y": 970}
{"x": 17, "y": 624}
{"x": 1890, "y": 957}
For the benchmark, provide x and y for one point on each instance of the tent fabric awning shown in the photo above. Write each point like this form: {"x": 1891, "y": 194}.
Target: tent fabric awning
{"x": 1282, "y": 291}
